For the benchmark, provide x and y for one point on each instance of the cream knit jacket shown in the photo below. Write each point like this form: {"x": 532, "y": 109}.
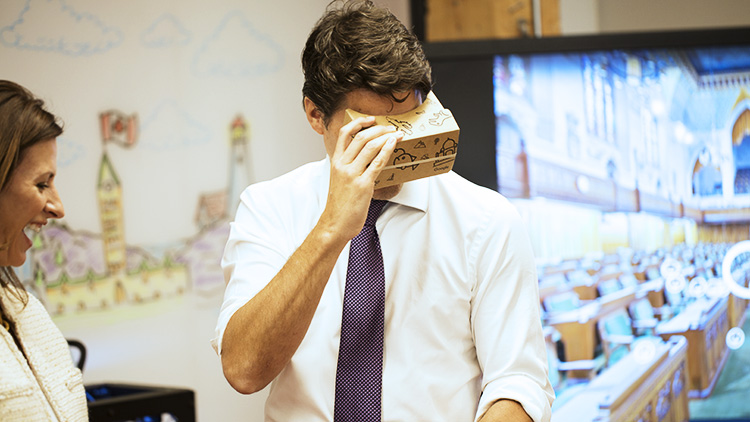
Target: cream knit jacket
{"x": 47, "y": 386}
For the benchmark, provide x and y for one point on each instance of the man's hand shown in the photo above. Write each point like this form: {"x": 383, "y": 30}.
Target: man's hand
{"x": 361, "y": 152}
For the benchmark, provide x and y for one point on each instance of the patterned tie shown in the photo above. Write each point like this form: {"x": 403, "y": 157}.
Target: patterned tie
{"x": 359, "y": 374}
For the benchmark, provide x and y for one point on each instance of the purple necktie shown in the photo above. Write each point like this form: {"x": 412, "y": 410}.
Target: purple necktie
{"x": 359, "y": 374}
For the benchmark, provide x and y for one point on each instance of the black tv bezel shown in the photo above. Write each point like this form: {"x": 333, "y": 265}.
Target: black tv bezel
{"x": 593, "y": 42}
{"x": 463, "y": 78}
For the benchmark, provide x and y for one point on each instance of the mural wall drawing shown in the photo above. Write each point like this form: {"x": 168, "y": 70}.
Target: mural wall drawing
{"x": 78, "y": 271}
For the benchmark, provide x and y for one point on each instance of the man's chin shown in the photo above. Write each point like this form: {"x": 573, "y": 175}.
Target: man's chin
{"x": 387, "y": 193}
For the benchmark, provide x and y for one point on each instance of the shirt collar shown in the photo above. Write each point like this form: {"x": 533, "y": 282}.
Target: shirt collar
{"x": 414, "y": 194}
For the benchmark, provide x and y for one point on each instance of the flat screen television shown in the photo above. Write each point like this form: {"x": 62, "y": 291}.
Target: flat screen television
{"x": 628, "y": 156}
{"x": 467, "y": 74}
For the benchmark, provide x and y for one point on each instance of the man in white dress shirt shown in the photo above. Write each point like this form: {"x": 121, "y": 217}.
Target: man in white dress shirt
{"x": 462, "y": 338}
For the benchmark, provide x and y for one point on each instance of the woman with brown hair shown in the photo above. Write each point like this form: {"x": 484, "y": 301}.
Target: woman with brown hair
{"x": 37, "y": 378}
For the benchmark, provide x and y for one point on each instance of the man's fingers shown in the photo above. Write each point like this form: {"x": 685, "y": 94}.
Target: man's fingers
{"x": 363, "y": 148}
{"x": 365, "y": 141}
{"x": 380, "y": 156}
{"x": 349, "y": 131}
{"x": 381, "y": 160}
{"x": 366, "y": 138}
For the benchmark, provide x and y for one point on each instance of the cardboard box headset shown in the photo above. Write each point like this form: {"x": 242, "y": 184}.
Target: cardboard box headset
{"x": 429, "y": 145}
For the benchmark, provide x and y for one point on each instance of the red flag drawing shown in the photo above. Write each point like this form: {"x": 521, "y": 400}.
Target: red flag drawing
{"x": 119, "y": 128}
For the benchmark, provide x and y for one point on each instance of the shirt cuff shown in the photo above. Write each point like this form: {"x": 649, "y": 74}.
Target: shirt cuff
{"x": 216, "y": 346}
{"x": 226, "y": 313}
{"x": 536, "y": 402}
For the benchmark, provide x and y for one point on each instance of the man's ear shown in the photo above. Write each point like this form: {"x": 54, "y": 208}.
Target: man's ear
{"x": 314, "y": 116}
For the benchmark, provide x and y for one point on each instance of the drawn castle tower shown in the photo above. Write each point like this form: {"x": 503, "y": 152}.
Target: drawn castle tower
{"x": 239, "y": 163}
{"x": 109, "y": 193}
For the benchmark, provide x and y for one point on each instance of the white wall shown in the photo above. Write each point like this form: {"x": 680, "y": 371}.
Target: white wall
{"x": 579, "y": 17}
{"x": 644, "y": 15}
{"x": 594, "y": 16}
{"x": 400, "y": 8}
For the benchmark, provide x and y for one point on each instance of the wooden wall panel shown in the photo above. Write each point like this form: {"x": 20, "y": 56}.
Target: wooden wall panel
{"x": 627, "y": 200}
{"x": 550, "y": 180}
{"x": 732, "y": 233}
{"x": 550, "y": 11}
{"x": 450, "y": 20}
{"x": 736, "y": 215}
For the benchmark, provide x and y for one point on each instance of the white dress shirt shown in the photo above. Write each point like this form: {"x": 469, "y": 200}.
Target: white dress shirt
{"x": 462, "y": 323}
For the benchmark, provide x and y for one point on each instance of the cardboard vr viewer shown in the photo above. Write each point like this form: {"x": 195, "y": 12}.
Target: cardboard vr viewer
{"x": 429, "y": 145}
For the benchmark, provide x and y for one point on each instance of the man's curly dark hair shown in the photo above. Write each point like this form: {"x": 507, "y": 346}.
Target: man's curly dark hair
{"x": 360, "y": 46}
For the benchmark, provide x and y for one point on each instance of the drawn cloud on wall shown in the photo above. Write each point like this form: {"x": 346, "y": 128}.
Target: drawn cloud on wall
{"x": 166, "y": 31}
{"x": 237, "y": 49}
{"x": 168, "y": 127}
{"x": 51, "y": 25}
{"x": 68, "y": 152}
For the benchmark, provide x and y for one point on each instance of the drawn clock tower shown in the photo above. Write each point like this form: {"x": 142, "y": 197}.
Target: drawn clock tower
{"x": 239, "y": 163}
{"x": 109, "y": 194}
{"x": 119, "y": 129}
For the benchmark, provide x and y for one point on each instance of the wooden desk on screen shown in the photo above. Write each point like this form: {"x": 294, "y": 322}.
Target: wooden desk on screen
{"x": 736, "y": 309}
{"x": 656, "y": 292}
{"x": 704, "y": 323}
{"x": 737, "y": 306}
{"x": 635, "y": 389}
{"x": 588, "y": 289}
{"x": 578, "y": 327}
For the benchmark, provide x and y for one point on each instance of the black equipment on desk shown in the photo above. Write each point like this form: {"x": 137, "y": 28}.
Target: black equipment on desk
{"x": 139, "y": 403}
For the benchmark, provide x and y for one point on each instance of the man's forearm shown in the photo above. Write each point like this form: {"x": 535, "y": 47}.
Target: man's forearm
{"x": 505, "y": 411}
{"x": 262, "y": 336}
